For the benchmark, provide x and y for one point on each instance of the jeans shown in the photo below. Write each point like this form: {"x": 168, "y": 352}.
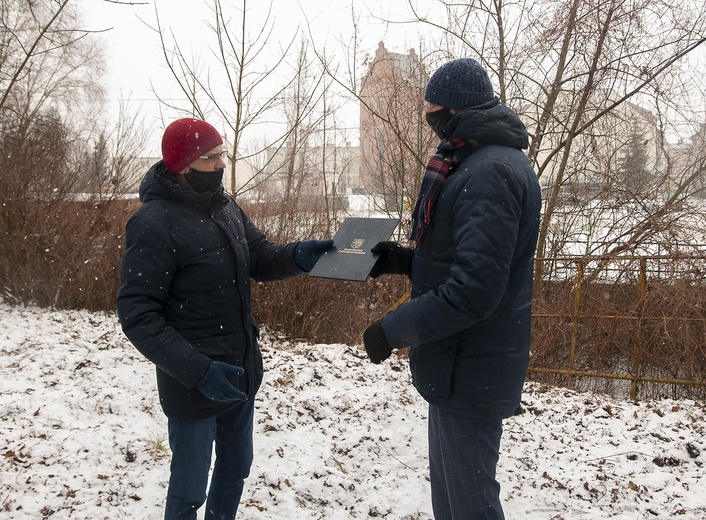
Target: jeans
{"x": 463, "y": 456}
{"x": 191, "y": 443}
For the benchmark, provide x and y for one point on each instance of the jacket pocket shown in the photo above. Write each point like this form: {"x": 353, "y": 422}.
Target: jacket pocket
{"x": 432, "y": 368}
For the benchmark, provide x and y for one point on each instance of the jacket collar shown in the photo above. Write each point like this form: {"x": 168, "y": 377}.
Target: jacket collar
{"x": 158, "y": 183}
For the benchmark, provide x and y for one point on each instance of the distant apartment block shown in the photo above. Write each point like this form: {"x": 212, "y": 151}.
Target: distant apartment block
{"x": 393, "y": 133}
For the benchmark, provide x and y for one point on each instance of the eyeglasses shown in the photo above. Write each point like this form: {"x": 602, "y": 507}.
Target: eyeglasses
{"x": 213, "y": 157}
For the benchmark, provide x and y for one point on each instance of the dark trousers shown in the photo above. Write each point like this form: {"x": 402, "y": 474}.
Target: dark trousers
{"x": 463, "y": 456}
{"x": 192, "y": 443}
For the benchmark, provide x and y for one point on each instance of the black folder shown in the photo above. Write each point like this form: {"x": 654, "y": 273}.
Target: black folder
{"x": 351, "y": 259}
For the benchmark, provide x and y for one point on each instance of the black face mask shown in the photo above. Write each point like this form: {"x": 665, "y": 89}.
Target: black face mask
{"x": 201, "y": 182}
{"x": 437, "y": 121}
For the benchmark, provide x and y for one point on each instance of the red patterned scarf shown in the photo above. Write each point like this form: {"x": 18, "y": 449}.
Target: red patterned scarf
{"x": 439, "y": 167}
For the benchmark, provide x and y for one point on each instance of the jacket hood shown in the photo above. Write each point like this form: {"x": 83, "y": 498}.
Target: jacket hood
{"x": 158, "y": 183}
{"x": 491, "y": 123}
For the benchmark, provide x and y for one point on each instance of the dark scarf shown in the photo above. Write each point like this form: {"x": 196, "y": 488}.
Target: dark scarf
{"x": 440, "y": 166}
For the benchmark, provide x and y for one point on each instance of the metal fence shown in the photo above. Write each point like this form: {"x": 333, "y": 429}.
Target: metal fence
{"x": 632, "y": 325}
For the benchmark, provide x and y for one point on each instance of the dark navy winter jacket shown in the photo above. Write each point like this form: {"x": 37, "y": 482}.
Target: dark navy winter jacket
{"x": 468, "y": 322}
{"x": 184, "y": 296}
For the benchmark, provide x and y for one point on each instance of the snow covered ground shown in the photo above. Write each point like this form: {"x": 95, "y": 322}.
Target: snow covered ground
{"x": 82, "y": 436}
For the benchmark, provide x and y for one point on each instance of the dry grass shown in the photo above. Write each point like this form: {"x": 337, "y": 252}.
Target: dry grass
{"x": 649, "y": 328}
{"x": 67, "y": 255}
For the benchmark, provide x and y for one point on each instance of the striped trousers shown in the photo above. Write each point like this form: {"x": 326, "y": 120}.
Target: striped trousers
{"x": 463, "y": 456}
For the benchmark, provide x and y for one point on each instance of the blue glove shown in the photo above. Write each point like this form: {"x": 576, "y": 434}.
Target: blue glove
{"x": 308, "y": 252}
{"x": 215, "y": 385}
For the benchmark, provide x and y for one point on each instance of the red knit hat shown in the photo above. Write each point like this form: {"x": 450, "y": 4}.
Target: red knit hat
{"x": 185, "y": 140}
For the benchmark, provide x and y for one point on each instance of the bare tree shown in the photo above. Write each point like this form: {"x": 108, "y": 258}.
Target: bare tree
{"x": 46, "y": 84}
{"x": 395, "y": 142}
{"x": 309, "y": 167}
{"x": 46, "y": 59}
{"x": 245, "y": 96}
{"x": 59, "y": 243}
{"x": 587, "y": 76}
{"x": 112, "y": 165}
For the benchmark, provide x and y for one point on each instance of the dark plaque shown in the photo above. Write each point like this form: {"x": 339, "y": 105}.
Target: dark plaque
{"x": 351, "y": 258}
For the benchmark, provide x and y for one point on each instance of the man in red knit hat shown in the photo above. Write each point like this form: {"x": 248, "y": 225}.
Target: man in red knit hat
{"x": 184, "y": 302}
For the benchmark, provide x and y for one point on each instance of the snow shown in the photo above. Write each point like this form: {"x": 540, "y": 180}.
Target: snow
{"x": 336, "y": 437}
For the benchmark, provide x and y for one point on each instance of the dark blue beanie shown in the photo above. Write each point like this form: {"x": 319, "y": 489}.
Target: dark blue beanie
{"x": 459, "y": 84}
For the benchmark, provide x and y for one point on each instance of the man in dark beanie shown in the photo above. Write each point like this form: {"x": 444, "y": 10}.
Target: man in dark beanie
{"x": 184, "y": 302}
{"x": 474, "y": 233}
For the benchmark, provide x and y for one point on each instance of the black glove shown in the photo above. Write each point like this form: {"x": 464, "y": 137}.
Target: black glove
{"x": 308, "y": 252}
{"x": 376, "y": 344}
{"x": 215, "y": 385}
{"x": 394, "y": 259}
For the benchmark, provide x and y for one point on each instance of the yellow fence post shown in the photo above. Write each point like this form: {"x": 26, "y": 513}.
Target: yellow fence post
{"x": 575, "y": 323}
{"x": 637, "y": 342}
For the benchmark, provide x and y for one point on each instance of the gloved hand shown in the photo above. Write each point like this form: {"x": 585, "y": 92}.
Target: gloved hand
{"x": 308, "y": 252}
{"x": 376, "y": 344}
{"x": 394, "y": 259}
{"x": 215, "y": 385}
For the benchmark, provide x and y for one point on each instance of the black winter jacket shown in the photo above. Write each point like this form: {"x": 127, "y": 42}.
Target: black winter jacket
{"x": 468, "y": 323}
{"x": 184, "y": 296}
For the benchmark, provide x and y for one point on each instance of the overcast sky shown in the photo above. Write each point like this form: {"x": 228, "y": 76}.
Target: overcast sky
{"x": 136, "y": 65}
